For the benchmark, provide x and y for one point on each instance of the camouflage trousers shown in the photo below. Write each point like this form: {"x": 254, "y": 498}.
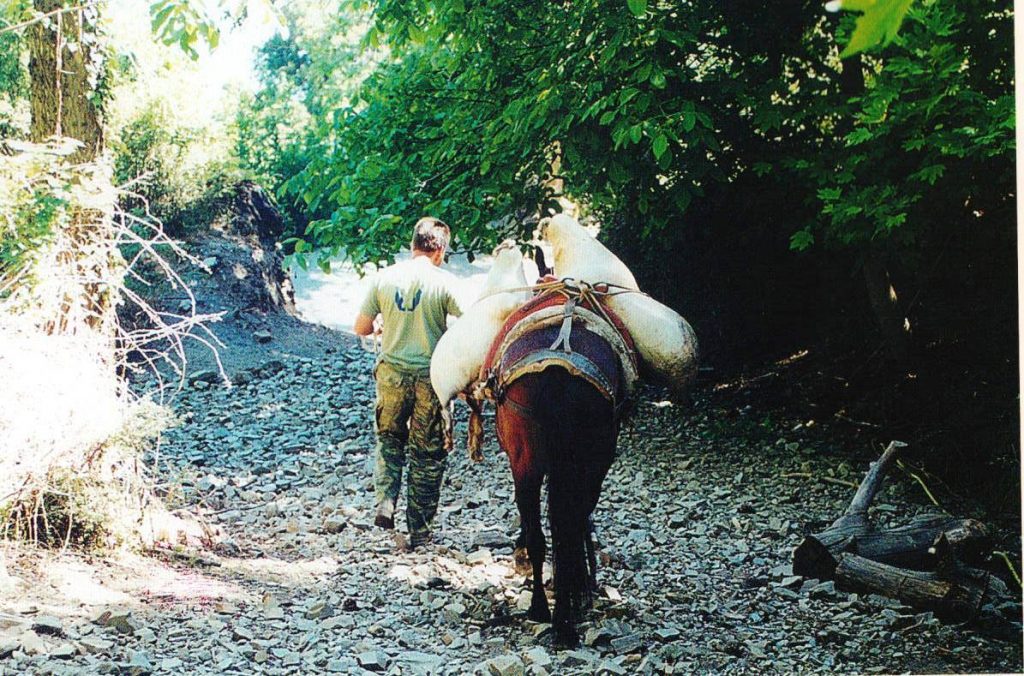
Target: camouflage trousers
{"x": 409, "y": 431}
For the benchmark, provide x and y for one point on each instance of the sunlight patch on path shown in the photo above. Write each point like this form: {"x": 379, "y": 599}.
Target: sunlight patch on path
{"x": 71, "y": 586}
{"x": 484, "y": 572}
{"x": 283, "y": 572}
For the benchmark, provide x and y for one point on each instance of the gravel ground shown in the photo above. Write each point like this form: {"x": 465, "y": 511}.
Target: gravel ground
{"x": 696, "y": 525}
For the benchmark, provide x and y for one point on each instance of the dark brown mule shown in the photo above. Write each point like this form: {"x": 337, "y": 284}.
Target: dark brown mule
{"x": 553, "y": 422}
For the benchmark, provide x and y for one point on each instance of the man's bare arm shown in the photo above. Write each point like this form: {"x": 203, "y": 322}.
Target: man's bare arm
{"x": 363, "y": 325}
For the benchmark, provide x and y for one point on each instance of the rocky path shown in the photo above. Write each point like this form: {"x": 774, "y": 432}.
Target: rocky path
{"x": 696, "y": 525}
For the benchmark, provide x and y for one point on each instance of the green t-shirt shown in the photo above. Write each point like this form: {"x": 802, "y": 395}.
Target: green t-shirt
{"x": 415, "y": 298}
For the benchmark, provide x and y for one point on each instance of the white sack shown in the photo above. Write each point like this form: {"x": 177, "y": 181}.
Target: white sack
{"x": 579, "y": 255}
{"x": 460, "y": 353}
{"x": 506, "y": 271}
{"x": 664, "y": 340}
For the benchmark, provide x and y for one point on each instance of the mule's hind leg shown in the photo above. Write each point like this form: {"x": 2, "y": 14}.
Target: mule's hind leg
{"x": 520, "y": 557}
{"x": 572, "y": 496}
{"x": 518, "y": 436}
{"x": 528, "y": 501}
{"x": 591, "y": 562}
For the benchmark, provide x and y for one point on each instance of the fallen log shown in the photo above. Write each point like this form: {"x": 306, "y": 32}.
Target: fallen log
{"x": 911, "y": 546}
{"x": 815, "y": 557}
{"x": 956, "y": 594}
{"x": 921, "y": 563}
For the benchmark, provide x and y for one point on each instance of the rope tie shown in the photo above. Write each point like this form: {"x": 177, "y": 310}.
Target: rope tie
{"x": 567, "y": 287}
{"x": 575, "y": 292}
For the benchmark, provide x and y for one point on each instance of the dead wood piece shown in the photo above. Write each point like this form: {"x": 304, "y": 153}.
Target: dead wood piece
{"x": 812, "y": 558}
{"x": 920, "y": 563}
{"x": 911, "y": 546}
{"x": 815, "y": 557}
{"x": 970, "y": 541}
{"x": 957, "y": 594}
{"x": 823, "y": 479}
{"x": 857, "y": 513}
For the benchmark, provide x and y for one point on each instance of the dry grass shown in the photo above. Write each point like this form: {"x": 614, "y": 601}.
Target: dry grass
{"x": 72, "y": 433}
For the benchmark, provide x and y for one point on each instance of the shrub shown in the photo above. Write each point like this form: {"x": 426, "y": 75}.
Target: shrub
{"x": 71, "y": 433}
{"x": 169, "y": 171}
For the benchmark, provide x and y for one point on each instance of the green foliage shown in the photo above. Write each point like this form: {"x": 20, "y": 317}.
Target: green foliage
{"x": 927, "y": 144}
{"x": 191, "y": 23}
{"x": 641, "y": 108}
{"x": 37, "y": 195}
{"x": 479, "y": 104}
{"x": 272, "y": 128}
{"x": 147, "y": 151}
{"x": 173, "y": 147}
{"x": 169, "y": 172}
{"x": 13, "y": 87}
{"x": 306, "y": 77}
{"x": 13, "y": 82}
{"x": 183, "y": 23}
{"x": 878, "y": 24}
{"x": 99, "y": 504}
{"x": 638, "y": 7}
{"x": 72, "y": 509}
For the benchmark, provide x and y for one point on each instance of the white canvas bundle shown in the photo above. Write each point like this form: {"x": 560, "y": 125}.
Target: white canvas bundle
{"x": 460, "y": 353}
{"x": 580, "y": 256}
{"x": 506, "y": 271}
{"x": 664, "y": 340}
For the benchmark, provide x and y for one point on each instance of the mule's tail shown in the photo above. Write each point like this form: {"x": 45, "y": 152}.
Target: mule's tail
{"x": 568, "y": 540}
{"x": 580, "y": 444}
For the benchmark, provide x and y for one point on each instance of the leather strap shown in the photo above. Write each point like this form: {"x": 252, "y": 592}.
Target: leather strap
{"x": 568, "y": 310}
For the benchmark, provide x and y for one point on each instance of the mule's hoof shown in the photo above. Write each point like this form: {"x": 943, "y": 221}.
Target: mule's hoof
{"x": 539, "y": 612}
{"x": 522, "y": 563}
{"x": 565, "y": 637}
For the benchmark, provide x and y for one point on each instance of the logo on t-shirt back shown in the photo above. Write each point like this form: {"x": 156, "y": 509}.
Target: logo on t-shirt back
{"x": 400, "y": 300}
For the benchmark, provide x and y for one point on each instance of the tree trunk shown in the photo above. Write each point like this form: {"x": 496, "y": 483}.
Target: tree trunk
{"x": 884, "y": 303}
{"x": 64, "y": 68}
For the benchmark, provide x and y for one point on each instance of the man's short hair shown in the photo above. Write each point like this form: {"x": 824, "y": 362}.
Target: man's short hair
{"x": 430, "y": 235}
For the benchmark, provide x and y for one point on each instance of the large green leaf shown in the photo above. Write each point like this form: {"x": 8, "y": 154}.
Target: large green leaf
{"x": 638, "y": 7}
{"x": 659, "y": 145}
{"x": 878, "y": 24}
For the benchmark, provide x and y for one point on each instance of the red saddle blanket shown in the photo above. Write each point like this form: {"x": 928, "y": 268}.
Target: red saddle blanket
{"x": 590, "y": 355}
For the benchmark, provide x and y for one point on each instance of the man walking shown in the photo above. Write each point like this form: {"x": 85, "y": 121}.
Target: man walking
{"x": 414, "y": 299}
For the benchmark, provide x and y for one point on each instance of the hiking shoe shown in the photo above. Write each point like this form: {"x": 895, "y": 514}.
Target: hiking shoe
{"x": 385, "y": 515}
